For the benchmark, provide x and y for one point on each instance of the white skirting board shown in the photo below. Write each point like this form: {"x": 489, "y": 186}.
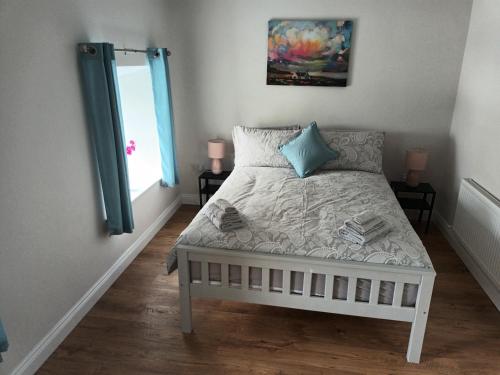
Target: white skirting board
{"x": 63, "y": 327}
{"x": 476, "y": 271}
{"x": 192, "y": 199}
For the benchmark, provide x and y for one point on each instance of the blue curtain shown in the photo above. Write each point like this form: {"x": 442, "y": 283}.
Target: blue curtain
{"x": 4, "y": 344}
{"x": 160, "y": 77}
{"x": 100, "y": 86}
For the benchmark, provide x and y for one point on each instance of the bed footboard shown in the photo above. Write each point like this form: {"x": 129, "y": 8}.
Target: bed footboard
{"x": 329, "y": 298}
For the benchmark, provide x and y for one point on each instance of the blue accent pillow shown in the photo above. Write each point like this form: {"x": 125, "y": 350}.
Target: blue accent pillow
{"x": 308, "y": 151}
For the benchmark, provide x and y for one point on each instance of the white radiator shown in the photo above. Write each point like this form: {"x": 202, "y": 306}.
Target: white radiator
{"x": 477, "y": 226}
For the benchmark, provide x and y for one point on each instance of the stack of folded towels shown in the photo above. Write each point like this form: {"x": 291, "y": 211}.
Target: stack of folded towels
{"x": 363, "y": 228}
{"x": 223, "y": 215}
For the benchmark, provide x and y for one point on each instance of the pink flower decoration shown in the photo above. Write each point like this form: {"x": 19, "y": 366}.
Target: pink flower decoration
{"x": 131, "y": 147}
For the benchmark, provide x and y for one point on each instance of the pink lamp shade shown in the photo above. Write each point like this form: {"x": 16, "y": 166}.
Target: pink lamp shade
{"x": 216, "y": 148}
{"x": 416, "y": 162}
{"x": 416, "y": 159}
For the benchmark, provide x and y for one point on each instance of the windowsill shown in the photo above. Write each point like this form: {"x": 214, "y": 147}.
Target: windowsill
{"x": 134, "y": 194}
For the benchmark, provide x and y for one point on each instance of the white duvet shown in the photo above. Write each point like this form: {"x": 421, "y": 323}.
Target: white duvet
{"x": 289, "y": 216}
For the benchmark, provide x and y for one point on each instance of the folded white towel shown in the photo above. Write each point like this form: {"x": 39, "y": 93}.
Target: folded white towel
{"x": 353, "y": 236}
{"x": 226, "y": 226}
{"x": 213, "y": 211}
{"x": 364, "y": 217}
{"x": 225, "y": 206}
{"x": 222, "y": 220}
{"x": 366, "y": 228}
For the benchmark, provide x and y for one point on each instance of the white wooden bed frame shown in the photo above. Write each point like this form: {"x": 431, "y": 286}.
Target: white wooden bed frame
{"x": 205, "y": 289}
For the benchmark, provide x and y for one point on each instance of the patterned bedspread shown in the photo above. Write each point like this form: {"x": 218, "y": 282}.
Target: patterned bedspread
{"x": 289, "y": 216}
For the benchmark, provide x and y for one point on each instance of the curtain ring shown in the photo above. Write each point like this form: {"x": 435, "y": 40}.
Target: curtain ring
{"x": 91, "y": 50}
{"x": 157, "y": 53}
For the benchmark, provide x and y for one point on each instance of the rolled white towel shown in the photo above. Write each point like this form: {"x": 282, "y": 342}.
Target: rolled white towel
{"x": 225, "y": 206}
{"x": 364, "y": 217}
{"x": 366, "y": 228}
{"x": 351, "y": 235}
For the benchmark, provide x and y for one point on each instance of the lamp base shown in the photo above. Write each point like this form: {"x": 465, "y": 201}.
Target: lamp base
{"x": 413, "y": 178}
{"x": 216, "y": 166}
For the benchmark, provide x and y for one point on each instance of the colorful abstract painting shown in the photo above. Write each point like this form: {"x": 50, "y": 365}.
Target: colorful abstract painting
{"x": 308, "y": 53}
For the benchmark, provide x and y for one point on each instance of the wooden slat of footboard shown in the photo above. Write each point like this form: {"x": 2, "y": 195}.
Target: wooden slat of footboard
{"x": 224, "y": 268}
{"x": 374, "y": 292}
{"x": 265, "y": 280}
{"x": 306, "y": 288}
{"x": 204, "y": 272}
{"x": 398, "y": 294}
{"x": 328, "y": 286}
{"x": 286, "y": 282}
{"x": 351, "y": 289}
{"x": 244, "y": 277}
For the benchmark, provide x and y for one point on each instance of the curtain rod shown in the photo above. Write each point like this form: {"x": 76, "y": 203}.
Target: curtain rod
{"x": 136, "y": 50}
{"x": 88, "y": 48}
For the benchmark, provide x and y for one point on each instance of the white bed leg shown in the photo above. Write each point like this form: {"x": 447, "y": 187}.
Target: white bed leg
{"x": 184, "y": 295}
{"x": 420, "y": 321}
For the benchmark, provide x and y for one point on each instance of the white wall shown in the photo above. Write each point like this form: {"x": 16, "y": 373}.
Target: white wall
{"x": 405, "y": 67}
{"x": 53, "y": 246}
{"x": 475, "y": 131}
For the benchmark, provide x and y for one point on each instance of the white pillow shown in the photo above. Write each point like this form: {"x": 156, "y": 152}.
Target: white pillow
{"x": 359, "y": 150}
{"x": 259, "y": 147}
{"x": 287, "y": 127}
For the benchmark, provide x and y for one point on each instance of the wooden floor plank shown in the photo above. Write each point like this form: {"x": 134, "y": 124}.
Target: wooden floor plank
{"x": 134, "y": 328}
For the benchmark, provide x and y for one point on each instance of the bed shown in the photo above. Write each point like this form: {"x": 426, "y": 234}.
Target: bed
{"x": 289, "y": 254}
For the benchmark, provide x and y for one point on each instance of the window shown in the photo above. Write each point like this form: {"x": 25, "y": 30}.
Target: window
{"x": 139, "y": 122}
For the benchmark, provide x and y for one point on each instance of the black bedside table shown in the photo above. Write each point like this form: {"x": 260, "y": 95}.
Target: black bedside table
{"x": 209, "y": 189}
{"x": 420, "y": 203}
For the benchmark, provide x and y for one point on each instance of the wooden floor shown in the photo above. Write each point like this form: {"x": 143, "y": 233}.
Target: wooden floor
{"x": 134, "y": 329}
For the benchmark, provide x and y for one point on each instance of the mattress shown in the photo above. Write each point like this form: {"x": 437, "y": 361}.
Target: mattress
{"x": 289, "y": 216}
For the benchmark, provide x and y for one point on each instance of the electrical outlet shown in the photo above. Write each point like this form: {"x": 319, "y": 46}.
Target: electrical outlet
{"x": 197, "y": 167}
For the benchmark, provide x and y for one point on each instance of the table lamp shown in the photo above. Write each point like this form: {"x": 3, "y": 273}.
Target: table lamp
{"x": 216, "y": 148}
{"x": 416, "y": 162}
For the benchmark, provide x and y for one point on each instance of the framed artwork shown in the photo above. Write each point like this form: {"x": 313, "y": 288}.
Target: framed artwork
{"x": 308, "y": 52}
